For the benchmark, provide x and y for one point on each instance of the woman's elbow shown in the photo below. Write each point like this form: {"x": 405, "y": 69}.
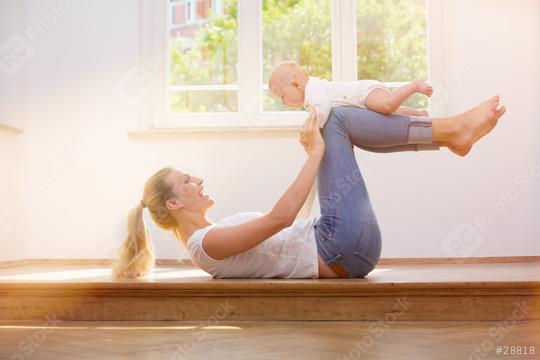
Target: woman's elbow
{"x": 288, "y": 221}
{"x": 282, "y": 219}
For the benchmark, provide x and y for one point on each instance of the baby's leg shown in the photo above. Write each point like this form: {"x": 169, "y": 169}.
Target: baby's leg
{"x": 386, "y": 102}
{"x": 405, "y": 110}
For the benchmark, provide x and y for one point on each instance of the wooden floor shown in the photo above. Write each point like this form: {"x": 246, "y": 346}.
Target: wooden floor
{"x": 38, "y": 304}
{"x": 486, "y": 291}
{"x": 386, "y": 274}
{"x": 266, "y": 340}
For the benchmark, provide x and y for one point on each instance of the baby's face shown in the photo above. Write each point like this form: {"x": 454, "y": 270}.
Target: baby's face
{"x": 290, "y": 94}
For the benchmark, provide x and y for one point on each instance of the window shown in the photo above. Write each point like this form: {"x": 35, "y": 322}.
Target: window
{"x": 299, "y": 31}
{"x": 203, "y": 58}
{"x": 392, "y": 43}
{"x": 219, "y": 57}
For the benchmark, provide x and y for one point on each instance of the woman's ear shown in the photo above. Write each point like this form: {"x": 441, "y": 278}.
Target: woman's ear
{"x": 174, "y": 204}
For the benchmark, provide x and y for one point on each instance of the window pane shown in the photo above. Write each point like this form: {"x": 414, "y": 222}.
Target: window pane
{"x": 270, "y": 103}
{"x": 298, "y": 30}
{"x": 204, "y": 101}
{"x": 392, "y": 41}
{"x": 418, "y": 101}
{"x": 203, "y": 51}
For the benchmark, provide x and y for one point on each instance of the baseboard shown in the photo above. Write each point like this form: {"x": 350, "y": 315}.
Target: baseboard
{"x": 460, "y": 260}
{"x": 13, "y": 263}
{"x": 98, "y": 262}
{"x": 382, "y": 261}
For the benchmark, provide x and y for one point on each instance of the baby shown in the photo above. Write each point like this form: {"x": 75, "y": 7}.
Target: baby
{"x": 293, "y": 86}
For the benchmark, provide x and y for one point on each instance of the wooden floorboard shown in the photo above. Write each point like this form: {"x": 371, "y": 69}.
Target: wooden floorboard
{"x": 267, "y": 340}
{"x": 483, "y": 291}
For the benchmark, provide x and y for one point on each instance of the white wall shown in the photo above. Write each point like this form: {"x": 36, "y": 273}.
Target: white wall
{"x": 11, "y": 145}
{"x": 87, "y": 172}
{"x": 12, "y": 245}
{"x": 484, "y": 204}
{"x": 12, "y": 60}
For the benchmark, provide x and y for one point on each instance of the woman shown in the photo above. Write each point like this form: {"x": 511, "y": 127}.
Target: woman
{"x": 344, "y": 242}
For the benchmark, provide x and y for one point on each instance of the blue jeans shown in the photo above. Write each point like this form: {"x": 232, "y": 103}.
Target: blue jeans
{"x": 347, "y": 231}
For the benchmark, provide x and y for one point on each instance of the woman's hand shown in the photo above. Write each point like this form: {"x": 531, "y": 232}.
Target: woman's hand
{"x": 310, "y": 135}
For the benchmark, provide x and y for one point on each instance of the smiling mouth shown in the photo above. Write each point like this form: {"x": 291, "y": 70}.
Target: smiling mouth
{"x": 201, "y": 193}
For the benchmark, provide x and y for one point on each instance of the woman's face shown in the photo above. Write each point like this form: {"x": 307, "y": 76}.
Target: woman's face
{"x": 189, "y": 190}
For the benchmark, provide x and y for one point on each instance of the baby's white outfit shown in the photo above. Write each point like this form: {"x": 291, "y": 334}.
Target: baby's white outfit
{"x": 323, "y": 95}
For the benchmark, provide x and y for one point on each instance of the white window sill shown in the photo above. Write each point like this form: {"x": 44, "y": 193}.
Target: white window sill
{"x": 253, "y": 131}
{"x": 222, "y": 124}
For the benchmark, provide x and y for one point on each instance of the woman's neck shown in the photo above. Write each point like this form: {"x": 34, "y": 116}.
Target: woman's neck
{"x": 188, "y": 225}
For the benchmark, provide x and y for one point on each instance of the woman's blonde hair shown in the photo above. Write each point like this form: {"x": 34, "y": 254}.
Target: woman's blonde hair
{"x": 135, "y": 255}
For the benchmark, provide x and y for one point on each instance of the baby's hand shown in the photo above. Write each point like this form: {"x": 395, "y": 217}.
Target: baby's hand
{"x": 424, "y": 88}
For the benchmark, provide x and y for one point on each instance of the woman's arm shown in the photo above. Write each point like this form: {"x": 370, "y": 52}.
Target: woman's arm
{"x": 222, "y": 242}
{"x": 305, "y": 211}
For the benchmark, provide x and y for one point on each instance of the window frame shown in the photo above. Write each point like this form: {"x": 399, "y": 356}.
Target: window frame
{"x": 153, "y": 49}
{"x": 191, "y": 11}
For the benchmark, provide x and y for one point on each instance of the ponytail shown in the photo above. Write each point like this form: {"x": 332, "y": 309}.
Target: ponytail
{"x": 135, "y": 255}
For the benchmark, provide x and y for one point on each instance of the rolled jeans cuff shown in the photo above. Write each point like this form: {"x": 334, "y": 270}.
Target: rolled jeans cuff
{"x": 420, "y": 133}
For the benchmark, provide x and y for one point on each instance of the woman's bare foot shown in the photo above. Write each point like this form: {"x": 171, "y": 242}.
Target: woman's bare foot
{"x": 423, "y": 88}
{"x": 472, "y": 125}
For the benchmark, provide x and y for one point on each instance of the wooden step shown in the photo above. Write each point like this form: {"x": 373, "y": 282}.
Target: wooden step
{"x": 396, "y": 292}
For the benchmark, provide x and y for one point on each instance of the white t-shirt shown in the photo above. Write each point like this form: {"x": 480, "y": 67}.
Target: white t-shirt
{"x": 291, "y": 253}
{"x": 323, "y": 95}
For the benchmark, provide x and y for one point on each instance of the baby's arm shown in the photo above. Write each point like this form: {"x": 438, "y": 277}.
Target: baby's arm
{"x": 387, "y": 102}
{"x": 317, "y": 99}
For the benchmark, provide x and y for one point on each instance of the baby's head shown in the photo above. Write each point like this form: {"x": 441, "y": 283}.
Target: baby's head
{"x": 287, "y": 83}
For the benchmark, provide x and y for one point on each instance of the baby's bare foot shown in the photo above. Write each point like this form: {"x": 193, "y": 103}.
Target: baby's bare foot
{"x": 423, "y": 112}
{"x": 474, "y": 124}
{"x": 424, "y": 88}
